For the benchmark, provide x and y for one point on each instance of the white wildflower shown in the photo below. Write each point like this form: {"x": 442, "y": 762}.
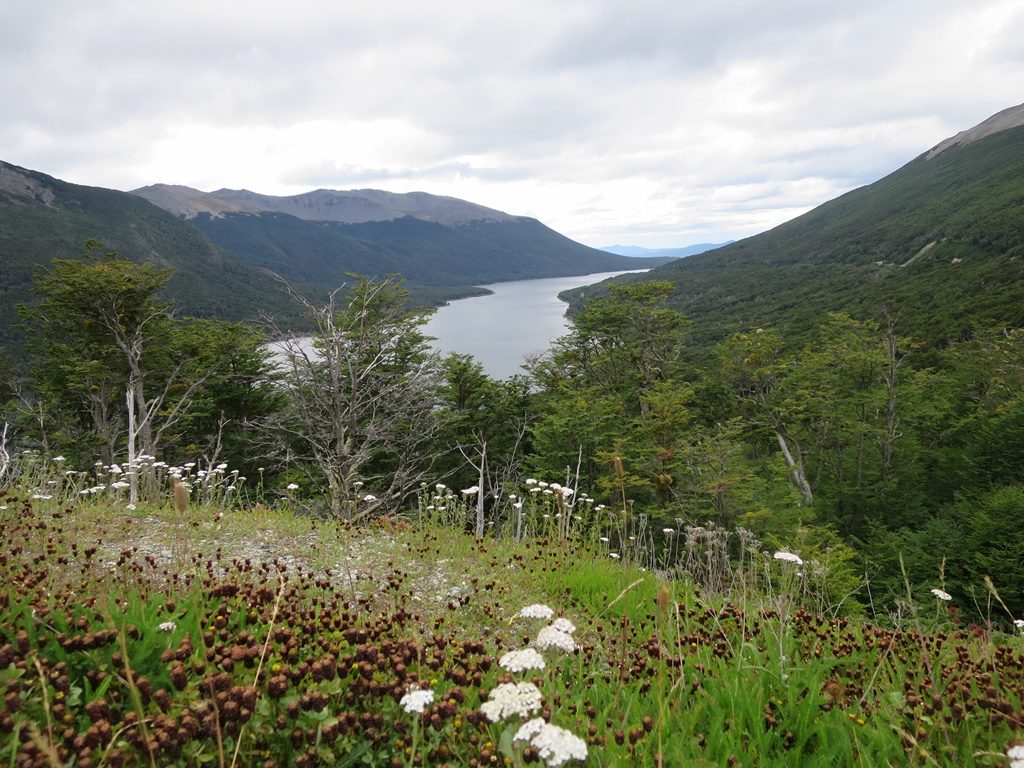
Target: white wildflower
{"x": 789, "y": 557}
{"x": 550, "y": 637}
{"x": 1018, "y": 623}
{"x": 530, "y": 481}
{"x": 369, "y": 497}
{"x": 555, "y": 745}
{"x": 293, "y": 486}
{"x": 522, "y": 660}
{"x": 568, "y": 492}
{"x": 564, "y": 625}
{"x": 614, "y": 555}
{"x": 942, "y": 594}
{"x": 59, "y": 458}
{"x": 416, "y": 701}
{"x": 536, "y": 611}
{"x": 1016, "y": 755}
{"x": 130, "y": 507}
{"x": 440, "y": 487}
{"x": 166, "y": 626}
{"x": 668, "y": 531}
{"x": 509, "y": 699}
{"x": 529, "y": 729}
{"x": 471, "y": 491}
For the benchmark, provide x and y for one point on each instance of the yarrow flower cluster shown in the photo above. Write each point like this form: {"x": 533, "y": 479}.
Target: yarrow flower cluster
{"x": 509, "y": 699}
{"x": 551, "y": 637}
{"x": 417, "y": 701}
{"x": 522, "y": 660}
{"x": 166, "y": 626}
{"x": 789, "y": 557}
{"x": 555, "y": 745}
{"x": 536, "y": 611}
{"x": 563, "y": 625}
{"x": 1019, "y": 624}
{"x": 942, "y": 595}
{"x": 1016, "y": 754}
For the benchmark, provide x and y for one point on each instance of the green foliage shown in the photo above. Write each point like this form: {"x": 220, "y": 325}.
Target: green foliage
{"x": 994, "y": 546}
{"x": 97, "y": 324}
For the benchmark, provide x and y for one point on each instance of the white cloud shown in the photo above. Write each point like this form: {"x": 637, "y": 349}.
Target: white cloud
{"x": 654, "y": 122}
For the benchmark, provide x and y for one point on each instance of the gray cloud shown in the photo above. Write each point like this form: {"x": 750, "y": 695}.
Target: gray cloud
{"x": 650, "y": 120}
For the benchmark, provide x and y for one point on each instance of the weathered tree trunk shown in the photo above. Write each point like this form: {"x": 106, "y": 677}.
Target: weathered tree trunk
{"x": 796, "y": 469}
{"x": 5, "y": 455}
{"x": 133, "y": 476}
{"x": 480, "y": 491}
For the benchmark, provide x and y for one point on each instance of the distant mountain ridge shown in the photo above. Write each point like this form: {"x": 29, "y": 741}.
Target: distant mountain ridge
{"x": 939, "y": 243}
{"x": 321, "y": 236}
{"x": 673, "y": 253}
{"x": 1011, "y": 117}
{"x": 356, "y": 206}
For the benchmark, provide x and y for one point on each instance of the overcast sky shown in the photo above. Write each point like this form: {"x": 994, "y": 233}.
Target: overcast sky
{"x": 646, "y": 122}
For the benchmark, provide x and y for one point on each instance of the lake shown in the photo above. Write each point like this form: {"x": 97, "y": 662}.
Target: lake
{"x": 500, "y": 330}
{"x": 517, "y": 319}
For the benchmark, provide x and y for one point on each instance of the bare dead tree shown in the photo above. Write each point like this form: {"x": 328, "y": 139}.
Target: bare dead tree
{"x": 362, "y": 408}
{"x": 5, "y": 455}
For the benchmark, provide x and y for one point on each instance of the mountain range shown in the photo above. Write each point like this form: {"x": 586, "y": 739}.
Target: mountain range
{"x": 672, "y": 253}
{"x": 225, "y": 247}
{"x": 939, "y": 244}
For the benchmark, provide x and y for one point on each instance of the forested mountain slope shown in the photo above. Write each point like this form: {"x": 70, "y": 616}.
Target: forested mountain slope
{"x": 42, "y": 218}
{"x": 321, "y": 236}
{"x": 940, "y": 243}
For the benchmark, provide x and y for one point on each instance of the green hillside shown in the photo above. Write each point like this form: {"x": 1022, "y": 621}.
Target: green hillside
{"x": 42, "y": 218}
{"x": 424, "y": 252}
{"x": 940, "y": 242}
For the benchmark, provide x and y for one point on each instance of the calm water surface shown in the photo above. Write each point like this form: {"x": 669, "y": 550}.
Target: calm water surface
{"x": 518, "y": 319}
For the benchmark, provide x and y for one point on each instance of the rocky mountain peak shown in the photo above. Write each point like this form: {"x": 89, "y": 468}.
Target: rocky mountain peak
{"x": 1000, "y": 121}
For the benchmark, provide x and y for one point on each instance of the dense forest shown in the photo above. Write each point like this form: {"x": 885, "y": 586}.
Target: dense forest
{"x": 890, "y": 461}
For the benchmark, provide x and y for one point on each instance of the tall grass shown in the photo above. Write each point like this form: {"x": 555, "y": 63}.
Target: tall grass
{"x": 219, "y": 634}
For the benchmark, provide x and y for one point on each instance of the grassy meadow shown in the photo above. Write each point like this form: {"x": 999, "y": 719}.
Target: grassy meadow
{"x": 238, "y": 634}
